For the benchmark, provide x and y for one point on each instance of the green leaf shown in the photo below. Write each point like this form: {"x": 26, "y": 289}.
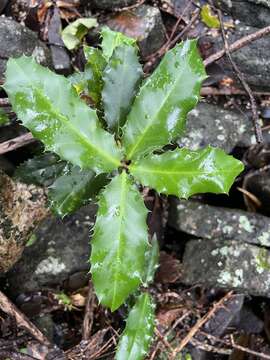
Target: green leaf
{"x": 41, "y": 170}
{"x": 95, "y": 65}
{"x": 121, "y": 79}
{"x": 119, "y": 242}
{"x": 183, "y": 172}
{"x": 112, "y": 39}
{"x": 159, "y": 111}
{"x": 73, "y": 34}
{"x": 208, "y": 18}
{"x": 4, "y": 119}
{"x": 49, "y": 106}
{"x": 74, "y": 189}
{"x": 135, "y": 341}
{"x": 152, "y": 258}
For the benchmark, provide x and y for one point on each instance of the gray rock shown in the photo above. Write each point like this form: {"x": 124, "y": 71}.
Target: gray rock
{"x": 16, "y": 40}
{"x": 259, "y": 185}
{"x": 210, "y": 124}
{"x": 227, "y": 264}
{"x": 3, "y": 4}
{"x": 252, "y": 60}
{"x": 61, "y": 248}
{"x": 244, "y": 11}
{"x": 143, "y": 23}
{"x": 111, "y": 4}
{"x": 218, "y": 222}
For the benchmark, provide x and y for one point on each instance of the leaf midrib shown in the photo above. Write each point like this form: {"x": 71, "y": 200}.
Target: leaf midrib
{"x": 170, "y": 172}
{"x": 135, "y": 146}
{"x": 123, "y": 196}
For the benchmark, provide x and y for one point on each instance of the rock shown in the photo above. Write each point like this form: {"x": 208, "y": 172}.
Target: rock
{"x": 244, "y": 11}
{"x": 177, "y": 8}
{"x": 143, "y": 23}
{"x": 258, "y": 184}
{"x": 252, "y": 60}
{"x": 22, "y": 207}
{"x": 16, "y": 40}
{"x": 210, "y": 124}
{"x": 61, "y": 248}
{"x": 218, "y": 222}
{"x": 227, "y": 264}
{"x": 112, "y": 4}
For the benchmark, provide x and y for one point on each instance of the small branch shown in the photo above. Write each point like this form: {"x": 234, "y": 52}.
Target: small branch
{"x": 4, "y": 102}
{"x": 21, "y": 320}
{"x": 238, "y": 44}
{"x": 199, "y": 324}
{"x": 88, "y": 315}
{"x": 255, "y": 115}
{"x": 212, "y": 91}
{"x": 16, "y": 143}
{"x": 246, "y": 350}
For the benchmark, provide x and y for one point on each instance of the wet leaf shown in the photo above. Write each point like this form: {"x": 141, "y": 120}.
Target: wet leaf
{"x": 159, "y": 111}
{"x": 119, "y": 242}
{"x": 73, "y": 34}
{"x": 49, "y": 106}
{"x": 183, "y": 172}
{"x": 152, "y": 257}
{"x": 95, "y": 65}
{"x": 41, "y": 170}
{"x": 136, "y": 338}
{"x": 112, "y": 39}
{"x": 121, "y": 79}
{"x": 208, "y": 18}
{"x": 74, "y": 189}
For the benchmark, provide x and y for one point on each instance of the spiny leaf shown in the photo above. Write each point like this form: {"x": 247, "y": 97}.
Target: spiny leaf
{"x": 95, "y": 65}
{"x": 152, "y": 257}
{"x": 183, "y": 172}
{"x": 50, "y": 107}
{"x": 74, "y": 189}
{"x": 119, "y": 242}
{"x": 73, "y": 34}
{"x": 111, "y": 39}
{"x": 40, "y": 170}
{"x": 159, "y": 111}
{"x": 121, "y": 78}
{"x": 136, "y": 338}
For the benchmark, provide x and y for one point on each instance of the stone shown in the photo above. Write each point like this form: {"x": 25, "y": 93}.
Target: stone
{"x": 219, "y": 222}
{"x": 143, "y": 23}
{"x": 259, "y": 185}
{"x": 3, "y": 4}
{"x": 22, "y": 207}
{"x": 253, "y": 60}
{"x": 112, "y": 4}
{"x": 210, "y": 124}
{"x": 227, "y": 264}
{"x": 61, "y": 248}
{"x": 244, "y": 11}
{"x": 16, "y": 40}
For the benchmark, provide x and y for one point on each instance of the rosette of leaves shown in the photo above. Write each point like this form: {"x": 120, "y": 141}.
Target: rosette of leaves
{"x": 125, "y": 139}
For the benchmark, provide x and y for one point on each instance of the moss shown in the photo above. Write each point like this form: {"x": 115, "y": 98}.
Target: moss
{"x": 262, "y": 259}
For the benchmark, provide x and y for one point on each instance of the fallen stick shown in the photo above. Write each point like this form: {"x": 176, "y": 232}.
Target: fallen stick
{"x": 16, "y": 143}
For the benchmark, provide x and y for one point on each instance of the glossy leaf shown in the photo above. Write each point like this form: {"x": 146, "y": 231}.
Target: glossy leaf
{"x": 152, "y": 257}
{"x": 73, "y": 34}
{"x": 74, "y": 189}
{"x": 96, "y": 63}
{"x": 183, "y": 172}
{"x": 49, "y": 106}
{"x": 121, "y": 79}
{"x": 159, "y": 111}
{"x": 135, "y": 341}
{"x": 119, "y": 242}
{"x": 41, "y": 170}
{"x": 112, "y": 39}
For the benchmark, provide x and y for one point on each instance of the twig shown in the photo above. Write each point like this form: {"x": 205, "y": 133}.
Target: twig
{"x": 21, "y": 319}
{"x": 255, "y": 115}
{"x": 238, "y": 44}
{"x": 16, "y": 143}
{"x": 199, "y": 324}
{"x": 246, "y": 350}
{"x": 210, "y": 348}
{"x": 163, "y": 340}
{"x": 212, "y": 91}
{"x": 88, "y": 316}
